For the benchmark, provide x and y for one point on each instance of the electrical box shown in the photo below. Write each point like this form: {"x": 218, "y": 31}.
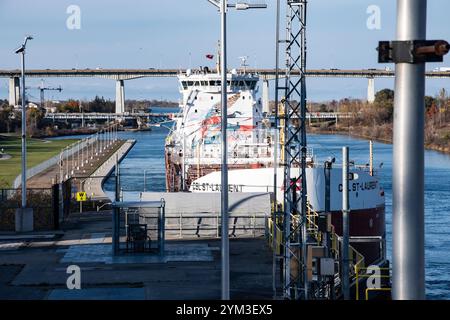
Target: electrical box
{"x": 326, "y": 267}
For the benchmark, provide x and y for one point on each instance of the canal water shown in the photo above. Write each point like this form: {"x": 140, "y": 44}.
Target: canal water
{"x": 148, "y": 156}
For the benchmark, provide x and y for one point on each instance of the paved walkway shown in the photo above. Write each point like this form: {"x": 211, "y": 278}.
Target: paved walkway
{"x": 46, "y": 178}
{"x": 36, "y": 269}
{"x": 94, "y": 185}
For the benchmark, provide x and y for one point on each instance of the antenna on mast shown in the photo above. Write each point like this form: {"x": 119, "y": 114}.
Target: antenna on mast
{"x": 218, "y": 57}
{"x": 244, "y": 64}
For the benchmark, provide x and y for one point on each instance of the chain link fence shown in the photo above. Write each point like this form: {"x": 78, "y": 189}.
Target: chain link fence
{"x": 43, "y": 201}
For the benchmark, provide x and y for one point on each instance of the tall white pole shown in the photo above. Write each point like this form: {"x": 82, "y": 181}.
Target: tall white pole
{"x": 224, "y": 168}
{"x": 275, "y": 155}
{"x": 82, "y": 152}
{"x": 67, "y": 162}
{"x": 61, "y": 167}
{"x": 78, "y": 155}
{"x": 24, "y": 135}
{"x": 145, "y": 178}
{"x": 408, "y": 263}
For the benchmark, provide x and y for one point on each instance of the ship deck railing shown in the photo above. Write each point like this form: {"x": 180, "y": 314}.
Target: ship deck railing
{"x": 363, "y": 274}
{"x": 358, "y": 268}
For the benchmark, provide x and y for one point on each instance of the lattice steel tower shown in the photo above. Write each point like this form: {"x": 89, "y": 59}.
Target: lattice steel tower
{"x": 295, "y": 278}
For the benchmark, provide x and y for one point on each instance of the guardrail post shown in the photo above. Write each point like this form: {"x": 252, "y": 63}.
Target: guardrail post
{"x": 55, "y": 205}
{"x": 162, "y": 227}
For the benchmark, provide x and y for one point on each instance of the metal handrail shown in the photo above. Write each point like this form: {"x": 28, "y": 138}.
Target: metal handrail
{"x": 360, "y": 275}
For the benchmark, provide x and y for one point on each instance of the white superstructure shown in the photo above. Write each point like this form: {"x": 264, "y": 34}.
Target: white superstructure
{"x": 193, "y": 149}
{"x": 197, "y": 130}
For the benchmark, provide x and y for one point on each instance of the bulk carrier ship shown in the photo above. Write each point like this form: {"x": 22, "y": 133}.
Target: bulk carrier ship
{"x": 193, "y": 156}
{"x": 193, "y": 162}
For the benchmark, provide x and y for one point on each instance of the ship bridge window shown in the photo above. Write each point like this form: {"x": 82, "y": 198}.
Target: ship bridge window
{"x": 250, "y": 84}
{"x": 197, "y": 83}
{"x": 212, "y": 83}
{"x": 184, "y": 84}
{"x": 190, "y": 83}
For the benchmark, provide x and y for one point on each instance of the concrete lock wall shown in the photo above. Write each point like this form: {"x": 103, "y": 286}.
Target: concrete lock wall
{"x": 195, "y": 215}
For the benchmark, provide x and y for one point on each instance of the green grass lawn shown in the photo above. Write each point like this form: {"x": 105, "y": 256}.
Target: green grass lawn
{"x": 38, "y": 150}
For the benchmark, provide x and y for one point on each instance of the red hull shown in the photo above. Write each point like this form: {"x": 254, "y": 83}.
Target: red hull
{"x": 364, "y": 223}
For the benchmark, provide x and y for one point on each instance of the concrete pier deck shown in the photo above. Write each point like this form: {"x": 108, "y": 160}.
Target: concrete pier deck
{"x": 94, "y": 184}
{"x": 37, "y": 269}
{"x": 46, "y": 178}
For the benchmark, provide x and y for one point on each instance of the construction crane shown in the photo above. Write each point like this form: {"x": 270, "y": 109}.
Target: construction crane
{"x": 42, "y": 90}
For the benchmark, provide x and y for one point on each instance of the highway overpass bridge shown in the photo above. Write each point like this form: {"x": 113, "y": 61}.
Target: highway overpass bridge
{"x": 120, "y": 75}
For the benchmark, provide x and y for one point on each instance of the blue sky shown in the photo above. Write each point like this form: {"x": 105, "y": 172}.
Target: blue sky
{"x": 177, "y": 33}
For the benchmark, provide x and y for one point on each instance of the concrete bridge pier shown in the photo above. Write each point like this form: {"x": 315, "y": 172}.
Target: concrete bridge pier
{"x": 120, "y": 96}
{"x": 265, "y": 96}
{"x": 14, "y": 91}
{"x": 371, "y": 90}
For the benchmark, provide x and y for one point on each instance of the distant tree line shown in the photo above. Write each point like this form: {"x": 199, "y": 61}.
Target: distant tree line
{"x": 11, "y": 119}
{"x": 147, "y": 105}
{"x": 375, "y": 120}
{"x": 8, "y": 120}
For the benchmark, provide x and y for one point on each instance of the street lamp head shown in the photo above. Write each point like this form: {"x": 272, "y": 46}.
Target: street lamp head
{"x": 22, "y": 47}
{"x": 240, "y": 5}
{"x": 19, "y": 50}
{"x": 245, "y": 5}
{"x": 26, "y": 39}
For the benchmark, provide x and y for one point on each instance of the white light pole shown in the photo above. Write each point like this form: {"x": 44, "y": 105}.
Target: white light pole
{"x": 67, "y": 162}
{"x": 345, "y": 226}
{"x": 222, "y": 5}
{"x": 21, "y": 50}
{"x": 61, "y": 166}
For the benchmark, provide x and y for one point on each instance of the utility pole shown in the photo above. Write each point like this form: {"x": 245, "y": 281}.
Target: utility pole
{"x": 275, "y": 155}
{"x": 410, "y": 53}
{"x": 42, "y": 90}
{"x": 295, "y": 237}
{"x": 223, "y": 5}
{"x": 82, "y": 113}
{"x": 408, "y": 166}
{"x": 21, "y": 50}
{"x": 345, "y": 226}
{"x": 224, "y": 167}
